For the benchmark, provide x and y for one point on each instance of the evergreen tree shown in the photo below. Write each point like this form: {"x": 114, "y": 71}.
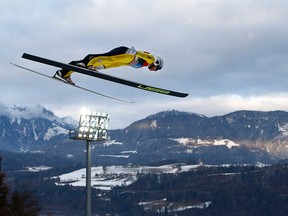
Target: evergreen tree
{"x": 23, "y": 204}
{"x": 3, "y": 195}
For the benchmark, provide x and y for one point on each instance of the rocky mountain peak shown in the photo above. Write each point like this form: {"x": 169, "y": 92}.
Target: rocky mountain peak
{"x": 172, "y": 113}
{"x": 24, "y": 127}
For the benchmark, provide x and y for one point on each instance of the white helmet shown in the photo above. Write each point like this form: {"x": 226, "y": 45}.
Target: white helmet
{"x": 158, "y": 62}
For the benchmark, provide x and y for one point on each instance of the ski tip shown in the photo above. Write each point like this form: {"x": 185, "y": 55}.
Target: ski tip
{"x": 185, "y": 95}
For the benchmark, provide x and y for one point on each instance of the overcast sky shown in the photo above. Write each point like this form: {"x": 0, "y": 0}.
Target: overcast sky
{"x": 228, "y": 55}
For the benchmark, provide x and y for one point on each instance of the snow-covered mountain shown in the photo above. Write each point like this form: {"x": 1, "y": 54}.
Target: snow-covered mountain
{"x": 238, "y": 126}
{"x": 23, "y": 128}
{"x": 238, "y": 137}
{"x": 241, "y": 135}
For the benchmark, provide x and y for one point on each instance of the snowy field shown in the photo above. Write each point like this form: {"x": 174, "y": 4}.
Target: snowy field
{"x": 106, "y": 177}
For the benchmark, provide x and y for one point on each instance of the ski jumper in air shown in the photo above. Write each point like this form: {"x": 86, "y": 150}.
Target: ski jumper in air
{"x": 120, "y": 56}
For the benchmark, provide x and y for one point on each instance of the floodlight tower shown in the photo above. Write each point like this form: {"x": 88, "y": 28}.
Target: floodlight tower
{"x": 92, "y": 127}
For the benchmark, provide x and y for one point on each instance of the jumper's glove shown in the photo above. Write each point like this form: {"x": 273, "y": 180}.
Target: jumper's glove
{"x": 131, "y": 51}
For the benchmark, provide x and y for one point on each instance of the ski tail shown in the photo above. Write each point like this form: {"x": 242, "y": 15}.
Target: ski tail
{"x": 76, "y": 86}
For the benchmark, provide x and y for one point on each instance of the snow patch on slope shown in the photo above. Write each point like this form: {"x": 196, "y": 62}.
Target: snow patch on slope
{"x": 51, "y": 132}
{"x": 283, "y": 129}
{"x": 197, "y": 142}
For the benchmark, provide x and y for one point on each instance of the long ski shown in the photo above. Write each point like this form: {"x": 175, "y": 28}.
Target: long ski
{"x": 103, "y": 76}
{"x": 76, "y": 86}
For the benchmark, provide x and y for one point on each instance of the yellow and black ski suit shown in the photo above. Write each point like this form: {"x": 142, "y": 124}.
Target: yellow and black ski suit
{"x": 115, "y": 58}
